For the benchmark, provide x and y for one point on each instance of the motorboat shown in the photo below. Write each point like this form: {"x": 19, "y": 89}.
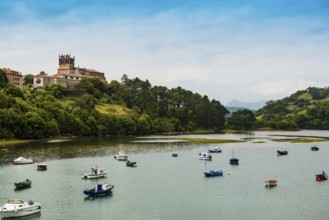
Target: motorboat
{"x": 205, "y": 156}
{"x": 131, "y": 164}
{"x": 23, "y": 160}
{"x": 18, "y": 208}
{"x": 42, "y": 166}
{"x": 121, "y": 155}
{"x": 23, "y": 185}
{"x": 282, "y": 152}
{"x": 95, "y": 173}
{"x": 315, "y": 148}
{"x": 174, "y": 155}
{"x": 321, "y": 177}
{"x": 215, "y": 150}
{"x": 99, "y": 190}
{"x": 271, "y": 183}
{"x": 213, "y": 173}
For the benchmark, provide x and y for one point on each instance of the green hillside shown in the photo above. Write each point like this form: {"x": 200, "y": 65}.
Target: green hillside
{"x": 305, "y": 109}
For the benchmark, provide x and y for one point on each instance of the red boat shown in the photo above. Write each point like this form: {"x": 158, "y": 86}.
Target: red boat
{"x": 270, "y": 183}
{"x": 321, "y": 177}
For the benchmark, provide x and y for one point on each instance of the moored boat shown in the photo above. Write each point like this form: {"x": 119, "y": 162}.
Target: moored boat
{"x": 18, "y": 208}
{"x": 233, "y": 160}
{"x": 23, "y": 185}
{"x": 131, "y": 164}
{"x": 205, "y": 156}
{"x": 215, "y": 150}
{"x": 121, "y": 155}
{"x": 321, "y": 176}
{"x": 282, "y": 152}
{"x": 213, "y": 173}
{"x": 271, "y": 183}
{"x": 42, "y": 166}
{"x": 315, "y": 148}
{"x": 23, "y": 160}
{"x": 99, "y": 190}
{"x": 95, "y": 173}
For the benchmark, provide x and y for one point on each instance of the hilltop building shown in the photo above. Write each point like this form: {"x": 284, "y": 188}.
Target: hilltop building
{"x": 67, "y": 74}
{"x": 14, "y": 76}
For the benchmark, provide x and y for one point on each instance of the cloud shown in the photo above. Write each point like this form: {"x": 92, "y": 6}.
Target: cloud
{"x": 223, "y": 52}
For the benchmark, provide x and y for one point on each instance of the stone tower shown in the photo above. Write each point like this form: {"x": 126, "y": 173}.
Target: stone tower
{"x": 66, "y": 64}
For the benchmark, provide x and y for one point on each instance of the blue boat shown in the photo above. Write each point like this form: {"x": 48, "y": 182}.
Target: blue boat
{"x": 215, "y": 150}
{"x": 234, "y": 161}
{"x": 213, "y": 173}
{"x": 99, "y": 190}
{"x": 131, "y": 164}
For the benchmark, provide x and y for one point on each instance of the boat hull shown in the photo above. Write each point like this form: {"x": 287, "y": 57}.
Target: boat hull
{"x": 23, "y": 185}
{"x": 19, "y": 210}
{"x": 42, "y": 167}
{"x": 214, "y": 173}
{"x": 271, "y": 183}
{"x": 121, "y": 158}
{"x": 93, "y": 176}
{"x": 100, "y": 192}
{"x": 321, "y": 177}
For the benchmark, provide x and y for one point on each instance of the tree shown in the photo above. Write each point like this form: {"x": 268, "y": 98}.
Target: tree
{"x": 242, "y": 119}
{"x": 28, "y": 80}
{"x": 3, "y": 79}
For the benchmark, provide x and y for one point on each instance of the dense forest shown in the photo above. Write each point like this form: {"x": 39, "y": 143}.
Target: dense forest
{"x": 135, "y": 107}
{"x": 95, "y": 107}
{"x": 305, "y": 109}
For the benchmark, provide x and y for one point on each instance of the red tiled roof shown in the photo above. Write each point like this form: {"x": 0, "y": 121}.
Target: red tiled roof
{"x": 12, "y": 72}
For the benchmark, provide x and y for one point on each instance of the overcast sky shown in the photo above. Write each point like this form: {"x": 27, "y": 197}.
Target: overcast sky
{"x": 248, "y": 50}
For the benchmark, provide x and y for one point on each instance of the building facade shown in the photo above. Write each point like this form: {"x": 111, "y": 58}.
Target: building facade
{"x": 14, "y": 76}
{"x": 67, "y": 75}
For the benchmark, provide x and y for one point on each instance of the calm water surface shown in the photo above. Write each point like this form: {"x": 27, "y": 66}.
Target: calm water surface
{"x": 164, "y": 187}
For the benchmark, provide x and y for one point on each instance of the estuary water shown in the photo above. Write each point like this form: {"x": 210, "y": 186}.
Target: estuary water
{"x": 166, "y": 187}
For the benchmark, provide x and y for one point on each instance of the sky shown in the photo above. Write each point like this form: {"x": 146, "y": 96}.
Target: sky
{"x": 249, "y": 50}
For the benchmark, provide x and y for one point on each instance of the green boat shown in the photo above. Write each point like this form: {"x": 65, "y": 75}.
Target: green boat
{"x": 23, "y": 185}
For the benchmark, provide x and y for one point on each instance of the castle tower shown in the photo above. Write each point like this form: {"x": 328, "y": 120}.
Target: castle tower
{"x": 66, "y": 64}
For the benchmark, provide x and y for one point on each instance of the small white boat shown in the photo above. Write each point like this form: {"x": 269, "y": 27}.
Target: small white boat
{"x": 23, "y": 160}
{"x": 121, "y": 155}
{"x": 205, "y": 156}
{"x": 95, "y": 173}
{"x": 18, "y": 208}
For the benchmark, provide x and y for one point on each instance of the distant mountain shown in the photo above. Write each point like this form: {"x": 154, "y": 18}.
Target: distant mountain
{"x": 248, "y": 105}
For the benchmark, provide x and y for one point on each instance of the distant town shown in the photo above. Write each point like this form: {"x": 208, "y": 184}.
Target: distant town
{"x": 68, "y": 75}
